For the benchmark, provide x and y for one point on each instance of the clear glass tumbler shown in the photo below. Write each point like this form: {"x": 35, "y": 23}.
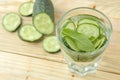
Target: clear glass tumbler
{"x": 88, "y": 62}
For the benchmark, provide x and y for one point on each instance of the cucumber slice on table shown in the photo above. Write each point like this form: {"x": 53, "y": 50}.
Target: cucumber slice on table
{"x": 29, "y": 33}
{"x": 26, "y": 8}
{"x": 43, "y": 16}
{"x": 90, "y": 30}
{"x": 11, "y": 21}
{"x": 50, "y": 44}
{"x": 43, "y": 23}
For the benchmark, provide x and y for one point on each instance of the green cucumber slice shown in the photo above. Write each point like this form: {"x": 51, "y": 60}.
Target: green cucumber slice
{"x": 50, "y": 44}
{"x": 43, "y": 23}
{"x": 98, "y": 43}
{"x": 29, "y": 33}
{"x": 79, "y": 17}
{"x": 87, "y": 20}
{"x": 70, "y": 25}
{"x": 26, "y": 8}
{"x": 84, "y": 16}
{"x": 11, "y": 21}
{"x": 71, "y": 43}
{"x": 90, "y": 30}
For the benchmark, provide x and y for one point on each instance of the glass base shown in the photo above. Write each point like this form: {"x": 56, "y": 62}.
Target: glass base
{"x": 82, "y": 70}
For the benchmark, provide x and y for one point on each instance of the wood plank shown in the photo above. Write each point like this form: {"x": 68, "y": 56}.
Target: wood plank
{"x": 9, "y": 42}
{"x": 110, "y": 8}
{"x": 17, "y": 67}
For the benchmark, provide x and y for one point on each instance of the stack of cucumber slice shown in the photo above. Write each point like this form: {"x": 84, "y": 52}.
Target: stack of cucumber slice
{"x": 42, "y": 12}
{"x": 83, "y": 33}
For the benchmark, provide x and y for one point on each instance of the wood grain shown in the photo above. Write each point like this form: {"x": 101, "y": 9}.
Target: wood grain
{"x": 17, "y": 67}
{"x": 17, "y": 56}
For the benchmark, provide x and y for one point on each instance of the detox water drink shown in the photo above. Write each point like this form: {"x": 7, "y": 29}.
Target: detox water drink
{"x": 83, "y": 33}
{"x": 98, "y": 37}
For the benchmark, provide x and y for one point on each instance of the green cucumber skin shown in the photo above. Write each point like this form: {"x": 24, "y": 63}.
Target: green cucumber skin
{"x": 69, "y": 22}
{"x": 53, "y": 52}
{"x": 19, "y": 24}
{"x": 44, "y": 6}
{"x": 24, "y": 39}
{"x": 20, "y": 12}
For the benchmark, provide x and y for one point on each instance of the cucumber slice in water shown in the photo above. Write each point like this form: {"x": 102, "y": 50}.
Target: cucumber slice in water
{"x": 50, "y": 44}
{"x": 43, "y": 23}
{"x": 87, "y": 20}
{"x": 90, "y": 30}
{"x": 11, "y": 21}
{"x": 98, "y": 43}
{"x": 29, "y": 33}
{"x": 102, "y": 41}
{"x": 26, "y": 8}
{"x": 69, "y": 25}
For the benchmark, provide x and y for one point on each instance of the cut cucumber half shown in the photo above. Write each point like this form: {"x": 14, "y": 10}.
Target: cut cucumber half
{"x": 50, "y": 44}
{"x": 29, "y": 33}
{"x": 69, "y": 25}
{"x": 43, "y": 23}
{"x": 11, "y": 21}
{"x": 26, "y": 8}
{"x": 43, "y": 16}
{"x": 71, "y": 43}
{"x": 89, "y": 30}
{"x": 87, "y": 20}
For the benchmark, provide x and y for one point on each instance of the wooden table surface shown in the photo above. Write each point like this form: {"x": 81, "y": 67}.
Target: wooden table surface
{"x": 21, "y": 60}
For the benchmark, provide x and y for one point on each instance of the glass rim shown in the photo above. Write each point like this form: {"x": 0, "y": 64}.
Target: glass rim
{"x": 93, "y": 52}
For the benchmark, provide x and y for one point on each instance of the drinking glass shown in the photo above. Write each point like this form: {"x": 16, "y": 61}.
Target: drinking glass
{"x": 79, "y": 62}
